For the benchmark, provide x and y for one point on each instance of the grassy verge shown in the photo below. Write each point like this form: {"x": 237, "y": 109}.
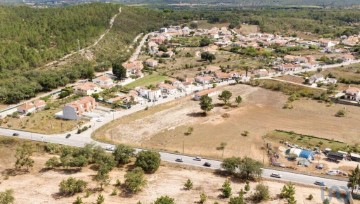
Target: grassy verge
{"x": 153, "y": 78}
{"x": 308, "y": 141}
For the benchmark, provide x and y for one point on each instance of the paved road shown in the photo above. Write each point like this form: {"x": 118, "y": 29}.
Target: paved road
{"x": 80, "y": 140}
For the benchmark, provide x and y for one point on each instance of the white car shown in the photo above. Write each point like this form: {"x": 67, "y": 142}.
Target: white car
{"x": 98, "y": 120}
{"x": 110, "y": 148}
{"x": 275, "y": 175}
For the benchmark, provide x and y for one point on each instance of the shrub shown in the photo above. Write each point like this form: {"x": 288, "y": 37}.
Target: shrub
{"x": 149, "y": 161}
{"x": 164, "y": 200}
{"x": 340, "y": 113}
{"x": 72, "y": 186}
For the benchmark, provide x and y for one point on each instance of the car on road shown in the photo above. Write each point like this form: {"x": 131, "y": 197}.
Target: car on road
{"x": 15, "y": 134}
{"x": 275, "y": 175}
{"x": 68, "y": 135}
{"x": 178, "y": 160}
{"x": 207, "y": 164}
{"x": 165, "y": 96}
{"x": 320, "y": 183}
{"x": 197, "y": 159}
{"x": 110, "y": 148}
{"x": 98, "y": 120}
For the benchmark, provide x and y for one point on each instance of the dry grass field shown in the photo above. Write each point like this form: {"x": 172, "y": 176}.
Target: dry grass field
{"x": 41, "y": 186}
{"x": 261, "y": 112}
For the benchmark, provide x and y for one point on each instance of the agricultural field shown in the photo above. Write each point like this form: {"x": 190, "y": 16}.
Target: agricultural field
{"x": 260, "y": 113}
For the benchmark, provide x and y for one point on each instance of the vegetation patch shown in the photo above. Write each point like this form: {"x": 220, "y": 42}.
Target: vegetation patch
{"x": 309, "y": 141}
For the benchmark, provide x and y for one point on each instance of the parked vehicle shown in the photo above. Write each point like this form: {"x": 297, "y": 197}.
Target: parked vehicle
{"x": 110, "y": 148}
{"x": 68, "y": 135}
{"x": 15, "y": 134}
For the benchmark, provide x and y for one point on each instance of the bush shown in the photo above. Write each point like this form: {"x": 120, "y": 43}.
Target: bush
{"x": 261, "y": 193}
{"x": 340, "y": 113}
{"x": 149, "y": 161}
{"x": 134, "y": 180}
{"x": 123, "y": 153}
{"x": 53, "y": 162}
{"x": 310, "y": 197}
{"x": 7, "y": 197}
{"x": 71, "y": 186}
{"x": 164, "y": 200}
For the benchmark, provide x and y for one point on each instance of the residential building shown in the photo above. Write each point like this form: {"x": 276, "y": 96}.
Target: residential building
{"x": 316, "y": 78}
{"x": 203, "y": 79}
{"x": 103, "y": 81}
{"x": 352, "y": 93}
{"x": 27, "y": 107}
{"x": 133, "y": 68}
{"x": 152, "y": 63}
{"x": 75, "y": 110}
{"x": 289, "y": 67}
{"x": 167, "y": 89}
{"x": 150, "y": 94}
{"x": 222, "y": 76}
{"x": 87, "y": 89}
{"x": 209, "y": 92}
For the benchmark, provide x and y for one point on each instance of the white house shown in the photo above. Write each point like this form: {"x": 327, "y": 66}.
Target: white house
{"x": 353, "y": 94}
{"x": 316, "y": 78}
{"x": 203, "y": 79}
{"x": 87, "y": 89}
{"x": 150, "y": 94}
{"x": 103, "y": 81}
{"x": 167, "y": 88}
{"x": 152, "y": 62}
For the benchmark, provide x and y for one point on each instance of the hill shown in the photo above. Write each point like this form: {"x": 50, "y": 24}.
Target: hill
{"x": 34, "y": 37}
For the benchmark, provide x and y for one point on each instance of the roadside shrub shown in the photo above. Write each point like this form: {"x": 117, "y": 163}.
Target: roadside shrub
{"x": 71, "y": 186}
{"x": 149, "y": 161}
{"x": 340, "y": 113}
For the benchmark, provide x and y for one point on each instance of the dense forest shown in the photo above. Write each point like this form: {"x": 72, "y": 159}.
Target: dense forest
{"x": 31, "y": 37}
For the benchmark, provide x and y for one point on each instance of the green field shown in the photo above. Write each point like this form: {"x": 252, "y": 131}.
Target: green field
{"x": 308, "y": 141}
{"x": 147, "y": 80}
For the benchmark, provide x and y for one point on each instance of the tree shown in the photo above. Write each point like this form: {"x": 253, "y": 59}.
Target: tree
{"x": 163, "y": 48}
{"x": 193, "y": 25}
{"x": 261, "y": 193}
{"x": 206, "y": 103}
{"x": 247, "y": 186}
{"x": 78, "y": 200}
{"x": 207, "y": 56}
{"x": 231, "y": 164}
{"x": 238, "y": 100}
{"x": 134, "y": 180}
{"x": 222, "y": 147}
{"x": 226, "y": 189}
{"x": 72, "y": 186}
{"x": 287, "y": 191}
{"x": 250, "y": 168}
{"x": 149, "y": 161}
{"x": 225, "y": 96}
{"x": 23, "y": 157}
{"x": 119, "y": 71}
{"x": 188, "y": 185}
{"x": 123, "y": 153}
{"x": 204, "y": 42}
{"x": 164, "y": 200}
{"x": 354, "y": 178}
{"x": 100, "y": 199}
{"x": 203, "y": 198}
{"x": 7, "y": 197}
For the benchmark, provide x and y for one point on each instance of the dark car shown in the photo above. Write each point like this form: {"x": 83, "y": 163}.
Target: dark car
{"x": 15, "y": 134}
{"x": 319, "y": 183}
{"x": 68, "y": 135}
{"x": 275, "y": 175}
{"x": 197, "y": 159}
{"x": 178, "y": 160}
{"x": 207, "y": 164}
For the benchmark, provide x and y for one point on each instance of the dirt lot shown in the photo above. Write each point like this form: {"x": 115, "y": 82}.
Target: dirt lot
{"x": 163, "y": 127}
{"x": 40, "y": 186}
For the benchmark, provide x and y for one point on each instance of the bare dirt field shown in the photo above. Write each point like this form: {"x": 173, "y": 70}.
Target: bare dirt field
{"x": 163, "y": 127}
{"x": 38, "y": 186}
